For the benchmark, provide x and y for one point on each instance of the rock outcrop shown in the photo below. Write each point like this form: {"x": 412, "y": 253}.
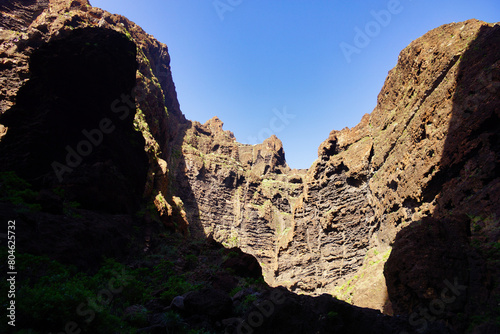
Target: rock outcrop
{"x": 457, "y": 246}
{"x": 88, "y": 108}
{"x": 240, "y": 194}
{"x": 62, "y": 131}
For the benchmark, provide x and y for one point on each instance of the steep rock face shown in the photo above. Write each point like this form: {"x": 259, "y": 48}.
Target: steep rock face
{"x": 334, "y": 220}
{"x": 18, "y": 15}
{"x": 462, "y": 246}
{"x": 369, "y": 182}
{"x": 62, "y": 131}
{"x": 29, "y": 25}
{"x": 239, "y": 194}
{"x": 66, "y": 68}
{"x": 55, "y": 19}
{"x": 18, "y": 40}
{"x": 395, "y": 153}
{"x": 434, "y": 152}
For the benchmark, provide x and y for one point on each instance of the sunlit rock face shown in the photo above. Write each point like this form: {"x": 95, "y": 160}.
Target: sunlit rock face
{"x": 429, "y": 148}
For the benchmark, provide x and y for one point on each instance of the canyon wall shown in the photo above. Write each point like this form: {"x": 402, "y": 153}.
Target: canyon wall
{"x": 330, "y": 229}
{"x": 88, "y": 109}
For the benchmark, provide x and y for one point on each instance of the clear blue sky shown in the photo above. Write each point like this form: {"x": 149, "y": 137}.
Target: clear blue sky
{"x": 247, "y": 61}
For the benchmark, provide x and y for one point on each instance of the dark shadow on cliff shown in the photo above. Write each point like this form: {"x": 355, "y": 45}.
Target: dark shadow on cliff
{"x": 85, "y": 162}
{"x": 180, "y": 185}
{"x": 446, "y": 267}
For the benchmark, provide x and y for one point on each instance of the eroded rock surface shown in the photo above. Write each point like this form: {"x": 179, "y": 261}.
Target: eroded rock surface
{"x": 93, "y": 93}
{"x": 428, "y": 149}
{"x": 369, "y": 181}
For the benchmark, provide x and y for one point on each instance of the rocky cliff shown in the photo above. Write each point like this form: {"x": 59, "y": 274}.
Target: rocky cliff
{"x": 85, "y": 84}
{"x": 428, "y": 149}
{"x": 393, "y": 212}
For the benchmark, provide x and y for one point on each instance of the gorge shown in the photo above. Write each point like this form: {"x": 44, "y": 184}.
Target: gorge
{"x": 398, "y": 215}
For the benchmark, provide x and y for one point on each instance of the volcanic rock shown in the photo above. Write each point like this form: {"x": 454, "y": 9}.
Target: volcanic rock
{"x": 415, "y": 183}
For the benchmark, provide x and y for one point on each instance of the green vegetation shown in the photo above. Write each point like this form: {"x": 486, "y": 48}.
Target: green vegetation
{"x": 141, "y": 125}
{"x": 482, "y": 228}
{"x": 476, "y": 222}
{"x": 384, "y": 258}
{"x": 161, "y": 199}
{"x": 491, "y": 316}
{"x": 17, "y": 191}
{"x": 332, "y": 315}
{"x": 246, "y": 303}
{"x": 232, "y": 241}
{"x": 69, "y": 209}
{"x": 175, "y": 285}
{"x": 50, "y": 294}
{"x": 284, "y": 232}
{"x": 254, "y": 282}
{"x": 139, "y": 318}
{"x": 279, "y": 185}
{"x": 250, "y": 299}
{"x": 232, "y": 254}
{"x": 198, "y": 331}
{"x": 175, "y": 324}
{"x": 372, "y": 257}
{"x": 346, "y": 289}
{"x": 129, "y": 36}
{"x": 235, "y": 290}
{"x": 191, "y": 260}
{"x": 176, "y": 153}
